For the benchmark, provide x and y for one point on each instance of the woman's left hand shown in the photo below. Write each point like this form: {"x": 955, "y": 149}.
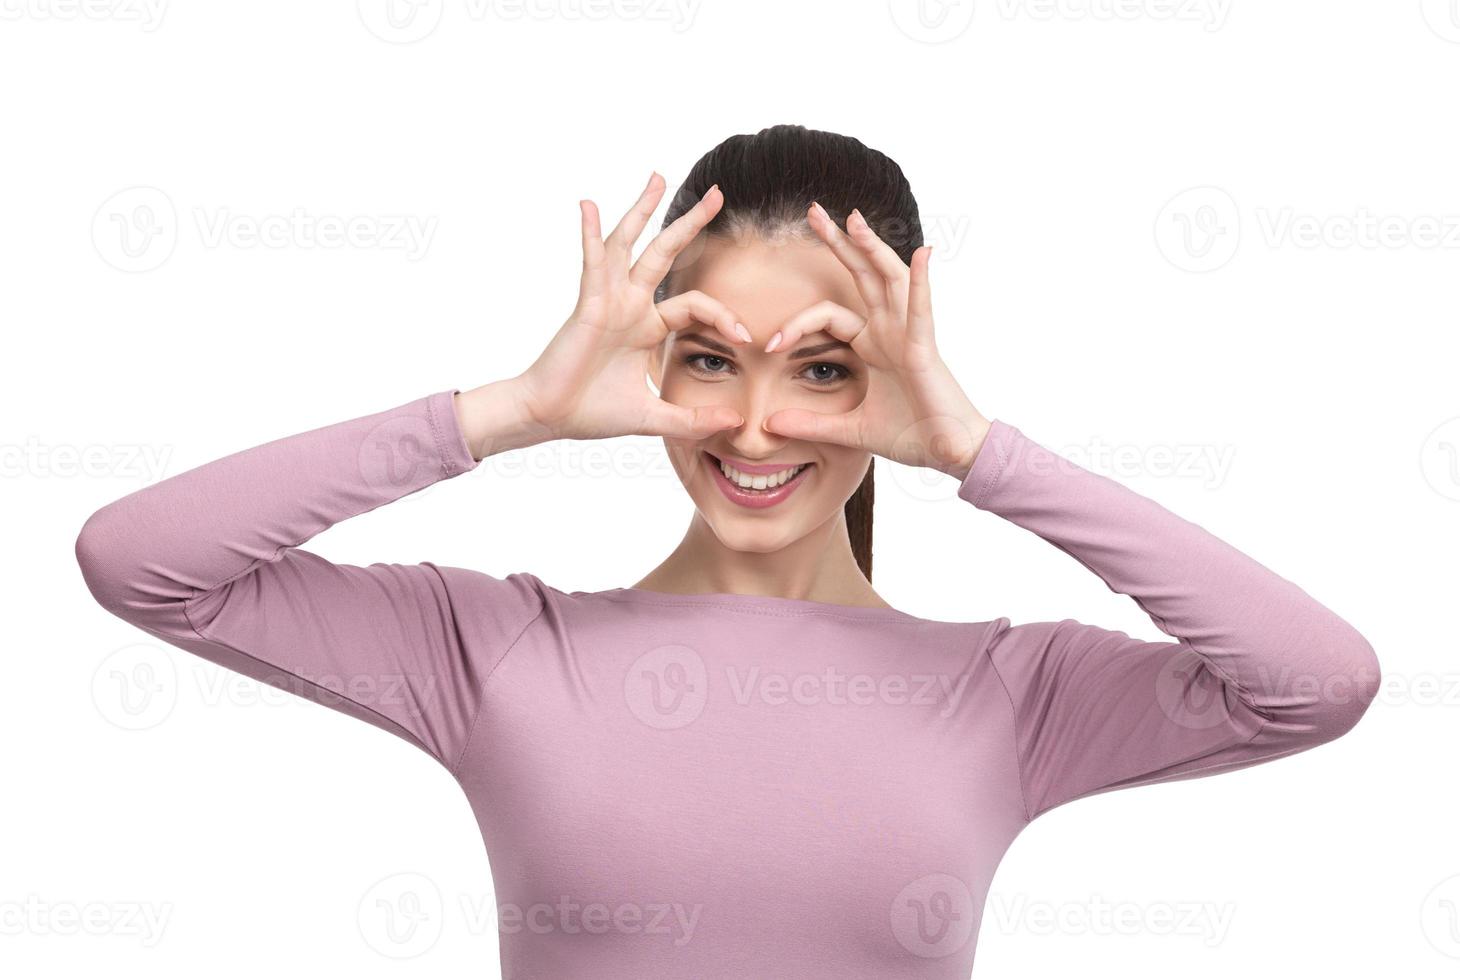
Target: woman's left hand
{"x": 914, "y": 411}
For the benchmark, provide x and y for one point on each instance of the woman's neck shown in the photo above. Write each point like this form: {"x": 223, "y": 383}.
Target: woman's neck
{"x": 819, "y": 566}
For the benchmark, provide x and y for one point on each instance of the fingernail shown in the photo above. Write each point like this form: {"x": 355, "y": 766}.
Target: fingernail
{"x": 774, "y": 341}
{"x": 858, "y": 215}
{"x": 742, "y": 333}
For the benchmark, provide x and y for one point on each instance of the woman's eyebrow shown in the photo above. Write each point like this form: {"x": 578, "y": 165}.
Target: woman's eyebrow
{"x": 809, "y": 351}
{"x": 700, "y": 338}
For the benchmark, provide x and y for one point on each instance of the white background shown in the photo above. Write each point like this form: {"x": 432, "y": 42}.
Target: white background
{"x": 1272, "y": 355}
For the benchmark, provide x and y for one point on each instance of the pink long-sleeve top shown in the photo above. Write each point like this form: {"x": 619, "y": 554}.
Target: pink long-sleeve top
{"x": 727, "y": 786}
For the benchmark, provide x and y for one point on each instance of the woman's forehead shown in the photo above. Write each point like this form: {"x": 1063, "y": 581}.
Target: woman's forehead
{"x": 766, "y": 281}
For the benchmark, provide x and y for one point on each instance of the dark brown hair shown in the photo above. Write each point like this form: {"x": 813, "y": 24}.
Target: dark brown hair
{"x": 769, "y": 180}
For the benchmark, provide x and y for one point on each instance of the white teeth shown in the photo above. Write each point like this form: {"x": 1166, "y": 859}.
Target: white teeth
{"x": 763, "y": 481}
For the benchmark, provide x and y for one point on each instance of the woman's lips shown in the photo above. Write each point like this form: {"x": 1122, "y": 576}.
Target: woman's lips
{"x": 753, "y": 498}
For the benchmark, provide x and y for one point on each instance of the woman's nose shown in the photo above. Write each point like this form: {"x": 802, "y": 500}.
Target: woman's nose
{"x": 751, "y": 439}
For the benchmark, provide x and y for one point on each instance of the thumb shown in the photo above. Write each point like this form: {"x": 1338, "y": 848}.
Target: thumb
{"x": 682, "y": 422}
{"x": 798, "y": 423}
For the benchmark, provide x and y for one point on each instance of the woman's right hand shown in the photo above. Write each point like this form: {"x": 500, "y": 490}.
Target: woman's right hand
{"x": 591, "y": 382}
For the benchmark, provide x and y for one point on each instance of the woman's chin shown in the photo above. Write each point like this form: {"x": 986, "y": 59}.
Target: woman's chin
{"x": 756, "y": 536}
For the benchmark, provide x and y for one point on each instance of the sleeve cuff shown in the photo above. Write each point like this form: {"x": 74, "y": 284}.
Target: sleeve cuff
{"x": 451, "y": 447}
{"x": 989, "y": 465}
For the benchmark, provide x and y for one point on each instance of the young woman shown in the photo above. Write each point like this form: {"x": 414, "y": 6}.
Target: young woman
{"x": 747, "y": 765}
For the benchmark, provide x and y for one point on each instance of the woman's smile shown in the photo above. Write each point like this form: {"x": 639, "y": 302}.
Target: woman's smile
{"x": 756, "y": 484}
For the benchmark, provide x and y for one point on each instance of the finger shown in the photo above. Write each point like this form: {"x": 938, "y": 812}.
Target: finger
{"x": 835, "y": 319}
{"x": 682, "y": 422}
{"x": 882, "y": 255}
{"x": 842, "y": 429}
{"x": 920, "y": 297}
{"x": 620, "y": 243}
{"x": 593, "y": 250}
{"x": 870, "y": 283}
{"x": 654, "y": 264}
{"x": 693, "y": 306}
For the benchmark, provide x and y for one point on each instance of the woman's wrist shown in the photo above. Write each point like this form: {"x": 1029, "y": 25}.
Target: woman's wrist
{"x": 494, "y": 419}
{"x": 977, "y": 429}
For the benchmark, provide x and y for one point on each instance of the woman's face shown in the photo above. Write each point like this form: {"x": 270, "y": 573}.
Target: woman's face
{"x": 765, "y": 284}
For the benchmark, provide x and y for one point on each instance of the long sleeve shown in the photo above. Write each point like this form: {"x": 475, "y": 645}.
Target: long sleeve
{"x": 1256, "y": 669}
{"x": 209, "y": 561}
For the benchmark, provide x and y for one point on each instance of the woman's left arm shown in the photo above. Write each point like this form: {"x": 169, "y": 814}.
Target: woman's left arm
{"x": 1257, "y": 668}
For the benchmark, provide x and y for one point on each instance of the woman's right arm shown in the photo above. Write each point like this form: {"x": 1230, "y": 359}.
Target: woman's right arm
{"x": 211, "y": 560}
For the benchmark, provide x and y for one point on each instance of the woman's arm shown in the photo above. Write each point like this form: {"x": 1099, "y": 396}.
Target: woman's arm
{"x": 210, "y": 561}
{"x": 1258, "y": 669}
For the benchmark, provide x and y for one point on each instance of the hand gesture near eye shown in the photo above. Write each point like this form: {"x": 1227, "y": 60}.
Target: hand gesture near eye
{"x": 591, "y": 380}
{"x": 914, "y": 411}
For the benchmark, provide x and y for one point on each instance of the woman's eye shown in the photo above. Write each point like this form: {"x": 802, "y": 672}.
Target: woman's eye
{"x": 707, "y": 363}
{"x": 825, "y": 373}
